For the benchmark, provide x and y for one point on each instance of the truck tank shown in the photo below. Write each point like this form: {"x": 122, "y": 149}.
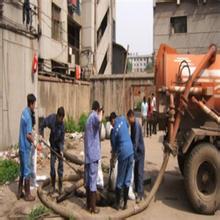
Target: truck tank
{"x": 173, "y": 70}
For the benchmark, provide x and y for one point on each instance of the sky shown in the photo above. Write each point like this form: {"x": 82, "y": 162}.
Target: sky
{"x": 134, "y": 25}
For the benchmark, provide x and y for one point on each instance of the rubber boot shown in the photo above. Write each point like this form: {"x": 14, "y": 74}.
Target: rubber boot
{"x": 20, "y": 188}
{"x": 126, "y": 189}
{"x": 117, "y": 198}
{"x": 93, "y": 208}
{"x": 28, "y": 196}
{"x": 60, "y": 185}
{"x": 88, "y": 199}
{"x": 52, "y": 186}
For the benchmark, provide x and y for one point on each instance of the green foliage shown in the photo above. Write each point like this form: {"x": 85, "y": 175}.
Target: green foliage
{"x": 9, "y": 171}
{"x": 138, "y": 106}
{"x": 71, "y": 218}
{"x": 72, "y": 126}
{"x": 82, "y": 122}
{"x": 38, "y": 213}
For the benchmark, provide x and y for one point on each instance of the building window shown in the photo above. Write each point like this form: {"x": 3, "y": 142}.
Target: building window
{"x": 104, "y": 64}
{"x": 102, "y": 27}
{"x": 178, "y": 24}
{"x": 56, "y": 22}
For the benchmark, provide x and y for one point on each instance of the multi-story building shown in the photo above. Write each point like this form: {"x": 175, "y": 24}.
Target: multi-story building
{"x": 139, "y": 63}
{"x": 18, "y": 47}
{"x": 60, "y": 25}
{"x": 190, "y": 26}
{"x": 98, "y": 34}
{"x": 64, "y": 34}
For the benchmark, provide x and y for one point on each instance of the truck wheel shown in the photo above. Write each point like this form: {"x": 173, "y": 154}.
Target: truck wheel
{"x": 181, "y": 161}
{"x": 202, "y": 179}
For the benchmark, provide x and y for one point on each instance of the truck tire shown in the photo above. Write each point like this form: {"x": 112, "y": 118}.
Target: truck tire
{"x": 202, "y": 179}
{"x": 181, "y": 161}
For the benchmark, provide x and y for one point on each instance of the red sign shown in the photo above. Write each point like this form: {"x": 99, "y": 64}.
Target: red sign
{"x": 74, "y": 2}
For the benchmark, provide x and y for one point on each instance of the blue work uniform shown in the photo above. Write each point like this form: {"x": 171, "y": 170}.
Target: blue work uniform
{"x": 57, "y": 134}
{"x": 122, "y": 146}
{"x": 139, "y": 155}
{"x": 92, "y": 150}
{"x": 25, "y": 144}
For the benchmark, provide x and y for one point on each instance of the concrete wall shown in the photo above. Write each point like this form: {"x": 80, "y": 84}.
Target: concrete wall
{"x": 16, "y": 78}
{"x": 74, "y": 97}
{"x": 203, "y": 25}
{"x": 108, "y": 90}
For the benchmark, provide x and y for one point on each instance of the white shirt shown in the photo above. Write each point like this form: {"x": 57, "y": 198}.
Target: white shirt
{"x": 144, "y": 109}
{"x": 153, "y": 103}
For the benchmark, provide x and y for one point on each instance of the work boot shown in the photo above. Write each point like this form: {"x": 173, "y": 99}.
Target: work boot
{"x": 60, "y": 185}
{"x": 20, "y": 188}
{"x": 117, "y": 198}
{"x": 88, "y": 199}
{"x": 28, "y": 196}
{"x": 53, "y": 184}
{"x": 126, "y": 189}
{"x": 93, "y": 209}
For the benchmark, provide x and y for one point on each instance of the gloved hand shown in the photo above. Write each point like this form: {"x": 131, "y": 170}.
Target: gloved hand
{"x": 61, "y": 154}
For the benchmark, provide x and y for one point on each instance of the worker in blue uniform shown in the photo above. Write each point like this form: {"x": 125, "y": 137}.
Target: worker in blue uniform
{"x": 25, "y": 140}
{"x": 122, "y": 148}
{"x": 57, "y": 133}
{"x": 92, "y": 150}
{"x": 139, "y": 154}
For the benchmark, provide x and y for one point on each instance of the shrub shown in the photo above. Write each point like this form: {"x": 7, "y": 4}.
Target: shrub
{"x": 72, "y": 126}
{"x": 82, "y": 122}
{"x": 9, "y": 171}
{"x": 38, "y": 213}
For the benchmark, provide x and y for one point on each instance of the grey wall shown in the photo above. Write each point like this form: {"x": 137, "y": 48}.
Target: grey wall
{"x": 108, "y": 90}
{"x": 16, "y": 55}
{"x": 203, "y": 24}
{"x": 74, "y": 97}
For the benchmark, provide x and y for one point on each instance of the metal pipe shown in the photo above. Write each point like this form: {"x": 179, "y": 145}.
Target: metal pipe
{"x": 207, "y": 110}
{"x": 171, "y": 117}
{"x": 206, "y": 61}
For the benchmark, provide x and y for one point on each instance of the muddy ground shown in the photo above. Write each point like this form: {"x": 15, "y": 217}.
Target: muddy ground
{"x": 169, "y": 203}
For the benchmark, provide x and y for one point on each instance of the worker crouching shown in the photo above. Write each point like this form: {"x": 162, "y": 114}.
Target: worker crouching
{"x": 122, "y": 149}
{"x": 56, "y": 125}
{"x": 92, "y": 155}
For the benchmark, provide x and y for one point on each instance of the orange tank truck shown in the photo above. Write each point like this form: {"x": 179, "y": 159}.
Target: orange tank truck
{"x": 188, "y": 104}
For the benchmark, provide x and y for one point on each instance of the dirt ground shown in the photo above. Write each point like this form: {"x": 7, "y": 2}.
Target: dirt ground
{"x": 170, "y": 202}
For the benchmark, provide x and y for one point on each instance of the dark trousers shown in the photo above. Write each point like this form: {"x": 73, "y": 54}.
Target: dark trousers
{"x": 149, "y": 127}
{"x": 53, "y": 162}
{"x": 155, "y": 122}
{"x": 139, "y": 176}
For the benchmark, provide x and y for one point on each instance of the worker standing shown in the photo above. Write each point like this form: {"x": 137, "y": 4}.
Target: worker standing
{"x": 25, "y": 141}
{"x": 139, "y": 155}
{"x": 149, "y": 117}
{"x": 144, "y": 109}
{"x": 154, "y": 106}
{"x": 123, "y": 149}
{"x": 57, "y": 133}
{"x": 92, "y": 155}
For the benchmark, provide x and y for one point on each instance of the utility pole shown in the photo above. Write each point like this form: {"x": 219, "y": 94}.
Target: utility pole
{"x": 123, "y": 83}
